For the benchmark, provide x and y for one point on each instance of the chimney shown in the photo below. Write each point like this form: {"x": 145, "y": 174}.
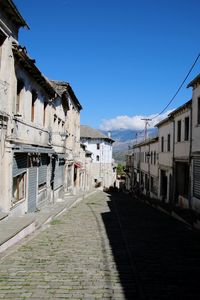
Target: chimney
{"x": 109, "y": 134}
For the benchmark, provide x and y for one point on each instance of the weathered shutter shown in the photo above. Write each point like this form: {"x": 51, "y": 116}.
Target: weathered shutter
{"x": 59, "y": 172}
{"x": 42, "y": 169}
{"x": 196, "y": 177}
{"x": 32, "y": 188}
{"x": 19, "y": 163}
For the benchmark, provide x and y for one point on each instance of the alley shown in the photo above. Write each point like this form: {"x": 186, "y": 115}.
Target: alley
{"x": 106, "y": 247}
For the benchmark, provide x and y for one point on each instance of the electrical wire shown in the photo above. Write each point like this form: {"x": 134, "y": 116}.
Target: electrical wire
{"x": 179, "y": 88}
{"x": 176, "y": 93}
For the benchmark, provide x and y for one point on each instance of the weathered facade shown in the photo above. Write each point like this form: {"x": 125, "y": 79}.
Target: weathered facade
{"x": 162, "y": 166}
{"x": 195, "y": 143}
{"x": 103, "y": 171}
{"x": 72, "y": 127}
{"x": 39, "y": 124}
{"x": 144, "y": 171}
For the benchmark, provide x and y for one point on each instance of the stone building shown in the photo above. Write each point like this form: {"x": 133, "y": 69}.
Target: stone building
{"x": 39, "y": 124}
{"x": 72, "y": 127}
{"x": 195, "y": 143}
{"x": 162, "y": 165}
{"x": 103, "y": 171}
{"x": 145, "y": 166}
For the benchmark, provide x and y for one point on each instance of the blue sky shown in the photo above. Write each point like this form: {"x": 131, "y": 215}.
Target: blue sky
{"x": 123, "y": 58}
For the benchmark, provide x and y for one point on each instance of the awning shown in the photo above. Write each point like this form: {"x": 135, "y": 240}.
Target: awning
{"x": 78, "y": 164}
{"x": 32, "y": 149}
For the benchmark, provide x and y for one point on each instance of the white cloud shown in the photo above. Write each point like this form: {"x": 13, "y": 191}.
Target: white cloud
{"x": 134, "y": 122}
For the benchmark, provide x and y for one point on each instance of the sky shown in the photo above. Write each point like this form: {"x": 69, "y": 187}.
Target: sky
{"x": 124, "y": 59}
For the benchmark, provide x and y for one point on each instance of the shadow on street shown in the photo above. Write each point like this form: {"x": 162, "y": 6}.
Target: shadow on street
{"x": 157, "y": 256}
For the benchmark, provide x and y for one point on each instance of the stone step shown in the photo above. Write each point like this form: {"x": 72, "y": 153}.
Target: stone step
{"x": 13, "y": 229}
{"x": 3, "y": 215}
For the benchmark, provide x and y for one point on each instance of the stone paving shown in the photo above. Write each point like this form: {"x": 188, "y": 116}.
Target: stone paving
{"x": 106, "y": 247}
{"x": 72, "y": 259}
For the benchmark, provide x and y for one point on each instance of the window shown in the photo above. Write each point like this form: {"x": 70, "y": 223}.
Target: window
{"x": 54, "y": 118}
{"x": 34, "y": 98}
{"x": 186, "y": 128}
{"x": 98, "y": 146}
{"x": 2, "y": 39}
{"x": 198, "y": 111}
{"x": 179, "y": 131}
{"x": 168, "y": 142}
{"x": 44, "y": 115}
{"x": 59, "y": 121}
{"x": 154, "y": 157}
{"x": 20, "y": 86}
{"x": 151, "y": 157}
{"x": 162, "y": 144}
{"x": 152, "y": 183}
{"x": 19, "y": 187}
{"x": 97, "y": 158}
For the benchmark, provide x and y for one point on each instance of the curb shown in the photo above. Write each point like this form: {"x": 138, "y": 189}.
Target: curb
{"x": 32, "y": 225}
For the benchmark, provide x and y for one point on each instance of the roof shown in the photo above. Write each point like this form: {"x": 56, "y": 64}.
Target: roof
{"x": 10, "y": 8}
{"x": 185, "y": 105}
{"x": 63, "y": 86}
{"x": 22, "y": 58}
{"x": 174, "y": 112}
{"x": 91, "y": 133}
{"x": 165, "y": 120}
{"x": 194, "y": 81}
{"x": 146, "y": 142}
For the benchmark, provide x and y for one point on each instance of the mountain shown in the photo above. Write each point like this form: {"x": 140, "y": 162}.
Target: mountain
{"x": 124, "y": 139}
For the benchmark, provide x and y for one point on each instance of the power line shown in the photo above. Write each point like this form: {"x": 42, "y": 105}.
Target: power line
{"x": 176, "y": 93}
{"x": 179, "y": 88}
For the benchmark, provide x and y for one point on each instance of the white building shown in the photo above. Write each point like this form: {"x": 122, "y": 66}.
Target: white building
{"x": 165, "y": 159}
{"x": 103, "y": 169}
{"x": 145, "y": 166}
{"x": 195, "y": 145}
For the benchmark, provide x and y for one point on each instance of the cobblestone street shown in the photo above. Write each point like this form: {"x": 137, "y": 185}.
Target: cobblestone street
{"x": 106, "y": 247}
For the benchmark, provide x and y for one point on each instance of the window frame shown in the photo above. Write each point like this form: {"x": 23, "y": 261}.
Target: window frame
{"x": 19, "y": 178}
{"x": 169, "y": 142}
{"x": 162, "y": 144}
{"x": 179, "y": 130}
{"x": 187, "y": 129}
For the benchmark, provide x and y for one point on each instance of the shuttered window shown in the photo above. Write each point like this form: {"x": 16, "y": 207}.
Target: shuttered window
{"x": 19, "y": 163}
{"x": 196, "y": 178}
{"x": 59, "y": 173}
{"x": 42, "y": 170}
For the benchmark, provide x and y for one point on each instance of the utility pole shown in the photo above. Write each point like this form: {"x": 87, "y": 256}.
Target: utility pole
{"x": 145, "y": 128}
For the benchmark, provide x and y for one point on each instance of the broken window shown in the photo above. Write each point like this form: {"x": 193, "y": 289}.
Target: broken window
{"x": 20, "y": 86}
{"x": 19, "y": 187}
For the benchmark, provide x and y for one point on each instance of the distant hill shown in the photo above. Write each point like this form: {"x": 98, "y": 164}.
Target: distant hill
{"x": 124, "y": 138}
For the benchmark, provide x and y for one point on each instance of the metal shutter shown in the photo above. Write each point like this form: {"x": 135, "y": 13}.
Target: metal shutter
{"x": 42, "y": 169}
{"x": 19, "y": 163}
{"x": 196, "y": 177}
{"x": 59, "y": 173}
{"x": 32, "y": 188}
